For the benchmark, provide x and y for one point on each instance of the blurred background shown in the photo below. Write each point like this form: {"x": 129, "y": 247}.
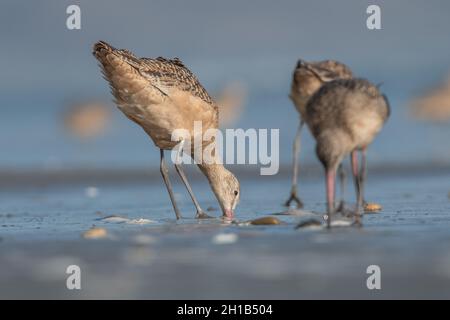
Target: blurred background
{"x": 57, "y": 113}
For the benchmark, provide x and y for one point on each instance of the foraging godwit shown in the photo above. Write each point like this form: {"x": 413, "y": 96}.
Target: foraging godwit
{"x": 435, "y": 104}
{"x": 231, "y": 100}
{"x": 87, "y": 120}
{"x": 307, "y": 78}
{"x": 162, "y": 95}
{"x": 344, "y": 116}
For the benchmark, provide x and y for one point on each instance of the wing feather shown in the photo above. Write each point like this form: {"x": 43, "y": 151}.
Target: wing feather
{"x": 171, "y": 73}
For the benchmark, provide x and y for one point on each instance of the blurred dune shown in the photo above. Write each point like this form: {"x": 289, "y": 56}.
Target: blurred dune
{"x": 87, "y": 120}
{"x": 434, "y": 105}
{"x": 231, "y": 101}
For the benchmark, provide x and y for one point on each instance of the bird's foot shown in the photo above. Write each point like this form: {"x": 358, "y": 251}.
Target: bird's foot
{"x": 358, "y": 220}
{"x": 327, "y": 219}
{"x": 202, "y": 215}
{"x": 357, "y": 224}
{"x": 341, "y": 207}
{"x": 296, "y": 199}
{"x": 344, "y": 211}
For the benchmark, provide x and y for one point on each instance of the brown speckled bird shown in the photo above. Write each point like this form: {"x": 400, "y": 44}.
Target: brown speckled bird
{"x": 162, "y": 95}
{"x": 344, "y": 116}
{"x": 307, "y": 78}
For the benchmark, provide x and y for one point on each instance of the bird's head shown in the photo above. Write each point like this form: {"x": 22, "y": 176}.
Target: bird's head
{"x": 308, "y": 77}
{"x": 226, "y": 188}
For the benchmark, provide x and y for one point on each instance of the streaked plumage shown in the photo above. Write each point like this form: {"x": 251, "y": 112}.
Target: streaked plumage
{"x": 347, "y": 113}
{"x": 159, "y": 94}
{"x": 307, "y": 78}
{"x": 344, "y": 116}
{"x": 163, "y": 95}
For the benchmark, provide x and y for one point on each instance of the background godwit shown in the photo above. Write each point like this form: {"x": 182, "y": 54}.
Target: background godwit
{"x": 231, "y": 100}
{"x": 344, "y": 116}
{"x": 435, "y": 104}
{"x": 86, "y": 121}
{"x": 162, "y": 95}
{"x": 307, "y": 78}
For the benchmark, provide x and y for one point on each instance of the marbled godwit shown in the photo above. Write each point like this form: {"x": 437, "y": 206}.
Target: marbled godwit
{"x": 344, "y": 116}
{"x": 162, "y": 95}
{"x": 87, "y": 120}
{"x": 231, "y": 100}
{"x": 434, "y": 105}
{"x": 307, "y": 78}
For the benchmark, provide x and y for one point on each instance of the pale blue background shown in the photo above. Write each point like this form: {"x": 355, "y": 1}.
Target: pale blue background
{"x": 43, "y": 66}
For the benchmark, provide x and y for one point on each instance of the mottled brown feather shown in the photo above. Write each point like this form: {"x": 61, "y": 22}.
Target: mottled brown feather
{"x": 159, "y": 94}
{"x": 161, "y": 72}
{"x": 335, "y": 68}
{"x": 346, "y": 114}
{"x": 162, "y": 96}
{"x": 308, "y": 77}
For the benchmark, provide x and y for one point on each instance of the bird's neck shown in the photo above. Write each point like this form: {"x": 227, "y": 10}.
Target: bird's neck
{"x": 210, "y": 162}
{"x": 212, "y": 171}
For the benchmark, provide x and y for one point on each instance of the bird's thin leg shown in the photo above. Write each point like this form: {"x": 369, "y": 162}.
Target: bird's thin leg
{"x": 296, "y": 150}
{"x": 330, "y": 183}
{"x": 363, "y": 174}
{"x": 357, "y": 180}
{"x": 165, "y": 175}
{"x": 355, "y": 173}
{"x": 343, "y": 181}
{"x": 179, "y": 168}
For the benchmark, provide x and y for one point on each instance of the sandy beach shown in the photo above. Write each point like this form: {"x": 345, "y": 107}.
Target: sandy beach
{"x": 161, "y": 258}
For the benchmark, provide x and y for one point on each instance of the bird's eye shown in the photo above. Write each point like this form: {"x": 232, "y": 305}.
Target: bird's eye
{"x": 236, "y": 192}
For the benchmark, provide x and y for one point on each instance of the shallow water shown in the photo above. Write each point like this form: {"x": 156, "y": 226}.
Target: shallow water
{"x": 41, "y": 234}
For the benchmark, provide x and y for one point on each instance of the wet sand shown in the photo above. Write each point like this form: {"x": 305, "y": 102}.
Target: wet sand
{"x": 41, "y": 234}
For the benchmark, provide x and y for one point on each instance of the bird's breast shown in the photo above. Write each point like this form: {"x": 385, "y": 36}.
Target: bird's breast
{"x": 365, "y": 128}
{"x": 179, "y": 115}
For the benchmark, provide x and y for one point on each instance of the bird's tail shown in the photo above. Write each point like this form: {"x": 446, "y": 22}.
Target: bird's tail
{"x": 120, "y": 68}
{"x": 106, "y": 54}
{"x": 101, "y": 49}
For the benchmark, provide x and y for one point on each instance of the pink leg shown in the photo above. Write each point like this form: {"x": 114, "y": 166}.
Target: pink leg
{"x": 363, "y": 173}
{"x": 330, "y": 181}
{"x": 357, "y": 180}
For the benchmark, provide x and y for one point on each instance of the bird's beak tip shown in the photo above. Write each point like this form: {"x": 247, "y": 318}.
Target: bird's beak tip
{"x": 229, "y": 213}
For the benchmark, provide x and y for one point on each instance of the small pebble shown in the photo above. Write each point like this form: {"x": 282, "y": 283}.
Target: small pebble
{"x": 119, "y": 219}
{"x": 372, "y": 207}
{"x": 309, "y": 223}
{"x": 140, "y": 221}
{"x": 341, "y": 223}
{"x": 294, "y": 212}
{"x": 265, "y": 221}
{"x": 95, "y": 233}
{"x": 114, "y": 219}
